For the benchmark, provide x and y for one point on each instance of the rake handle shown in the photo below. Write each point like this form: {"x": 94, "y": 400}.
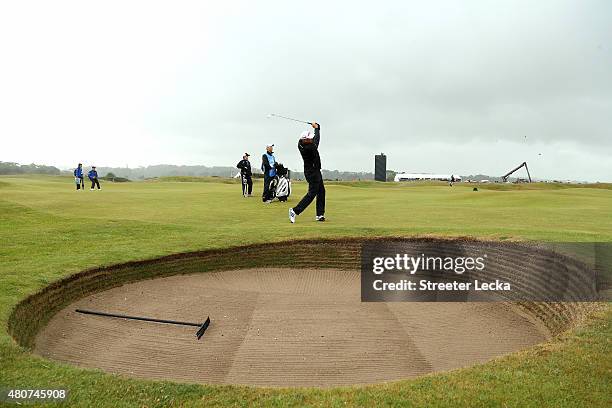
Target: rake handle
{"x": 146, "y": 319}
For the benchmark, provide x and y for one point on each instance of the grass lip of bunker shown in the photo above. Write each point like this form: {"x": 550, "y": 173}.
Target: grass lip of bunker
{"x": 339, "y": 258}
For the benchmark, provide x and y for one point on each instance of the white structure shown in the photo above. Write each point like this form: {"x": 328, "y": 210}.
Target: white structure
{"x": 425, "y": 176}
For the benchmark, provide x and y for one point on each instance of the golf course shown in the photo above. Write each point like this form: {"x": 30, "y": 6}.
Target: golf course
{"x": 50, "y": 232}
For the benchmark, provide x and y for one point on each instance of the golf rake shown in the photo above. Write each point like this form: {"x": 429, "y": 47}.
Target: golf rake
{"x": 201, "y": 326}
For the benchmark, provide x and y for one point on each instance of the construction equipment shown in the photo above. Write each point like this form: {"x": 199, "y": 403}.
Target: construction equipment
{"x": 523, "y": 164}
{"x": 201, "y": 326}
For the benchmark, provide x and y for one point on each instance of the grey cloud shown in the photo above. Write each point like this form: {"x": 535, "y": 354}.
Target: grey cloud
{"x": 461, "y": 82}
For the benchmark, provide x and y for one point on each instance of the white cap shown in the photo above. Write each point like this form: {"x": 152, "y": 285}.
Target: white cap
{"x": 307, "y": 134}
{"x": 270, "y": 145}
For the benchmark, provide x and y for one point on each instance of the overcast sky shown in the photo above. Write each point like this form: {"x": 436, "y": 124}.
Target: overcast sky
{"x": 458, "y": 87}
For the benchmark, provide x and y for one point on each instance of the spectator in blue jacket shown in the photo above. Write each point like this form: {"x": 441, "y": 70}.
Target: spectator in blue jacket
{"x": 78, "y": 177}
{"x": 93, "y": 177}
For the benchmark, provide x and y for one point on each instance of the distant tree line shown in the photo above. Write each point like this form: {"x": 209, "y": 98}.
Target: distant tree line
{"x": 112, "y": 177}
{"x": 165, "y": 170}
{"x": 120, "y": 174}
{"x": 480, "y": 177}
{"x": 338, "y": 175}
{"x": 168, "y": 170}
{"x": 16, "y": 168}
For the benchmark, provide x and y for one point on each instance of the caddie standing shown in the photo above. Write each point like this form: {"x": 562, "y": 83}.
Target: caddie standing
{"x": 246, "y": 175}
{"x": 269, "y": 171}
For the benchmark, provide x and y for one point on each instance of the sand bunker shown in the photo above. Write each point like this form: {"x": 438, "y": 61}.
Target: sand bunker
{"x": 280, "y": 327}
{"x": 287, "y": 314}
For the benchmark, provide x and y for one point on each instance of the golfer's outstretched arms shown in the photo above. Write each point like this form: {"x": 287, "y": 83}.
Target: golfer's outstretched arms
{"x": 317, "y": 133}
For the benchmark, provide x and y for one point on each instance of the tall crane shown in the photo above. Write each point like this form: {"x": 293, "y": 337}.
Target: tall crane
{"x": 523, "y": 164}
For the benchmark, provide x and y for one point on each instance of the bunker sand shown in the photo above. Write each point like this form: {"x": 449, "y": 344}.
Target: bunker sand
{"x": 280, "y": 327}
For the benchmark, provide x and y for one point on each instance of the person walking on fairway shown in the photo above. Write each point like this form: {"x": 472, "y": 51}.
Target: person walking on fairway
{"x": 308, "y": 145}
{"x": 246, "y": 175}
{"x": 269, "y": 171}
{"x": 78, "y": 177}
{"x": 93, "y": 177}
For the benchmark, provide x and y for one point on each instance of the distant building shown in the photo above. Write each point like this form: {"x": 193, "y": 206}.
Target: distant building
{"x": 380, "y": 167}
{"x": 425, "y": 176}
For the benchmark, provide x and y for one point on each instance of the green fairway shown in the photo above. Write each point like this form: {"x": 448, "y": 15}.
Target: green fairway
{"x": 49, "y": 231}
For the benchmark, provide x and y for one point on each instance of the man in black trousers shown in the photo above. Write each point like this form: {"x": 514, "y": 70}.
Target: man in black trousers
{"x": 93, "y": 177}
{"x": 78, "y": 177}
{"x": 308, "y": 145}
{"x": 268, "y": 167}
{"x": 246, "y": 175}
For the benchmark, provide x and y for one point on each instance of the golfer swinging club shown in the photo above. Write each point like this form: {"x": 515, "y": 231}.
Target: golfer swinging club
{"x": 308, "y": 145}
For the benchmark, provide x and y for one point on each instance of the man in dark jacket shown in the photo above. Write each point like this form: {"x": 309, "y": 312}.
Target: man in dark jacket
{"x": 78, "y": 177}
{"x": 269, "y": 171}
{"x": 93, "y": 177}
{"x": 246, "y": 175}
{"x": 308, "y": 145}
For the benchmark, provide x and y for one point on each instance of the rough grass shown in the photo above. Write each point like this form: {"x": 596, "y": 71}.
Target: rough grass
{"x": 49, "y": 231}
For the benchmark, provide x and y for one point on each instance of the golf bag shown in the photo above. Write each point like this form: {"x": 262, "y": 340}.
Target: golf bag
{"x": 280, "y": 185}
{"x": 245, "y": 185}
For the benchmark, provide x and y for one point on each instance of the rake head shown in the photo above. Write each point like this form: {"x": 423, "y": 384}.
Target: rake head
{"x": 203, "y": 328}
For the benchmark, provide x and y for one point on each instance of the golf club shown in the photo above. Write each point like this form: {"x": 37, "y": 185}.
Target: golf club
{"x": 201, "y": 326}
{"x": 285, "y": 117}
